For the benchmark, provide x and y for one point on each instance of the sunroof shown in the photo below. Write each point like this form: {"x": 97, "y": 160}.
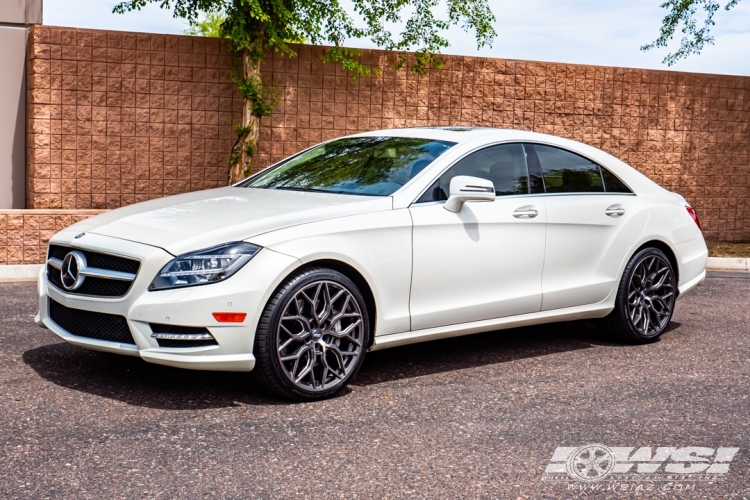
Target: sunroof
{"x": 454, "y": 129}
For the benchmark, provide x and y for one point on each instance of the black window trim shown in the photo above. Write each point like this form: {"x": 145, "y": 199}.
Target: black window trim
{"x": 590, "y": 193}
{"x": 455, "y": 162}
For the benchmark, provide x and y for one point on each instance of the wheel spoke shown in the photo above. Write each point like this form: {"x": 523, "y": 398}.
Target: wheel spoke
{"x": 646, "y": 322}
{"x": 345, "y": 333}
{"x": 659, "y": 283}
{"x": 341, "y": 314}
{"x": 339, "y": 359}
{"x": 297, "y": 336}
{"x": 327, "y": 306}
{"x": 286, "y": 344}
{"x": 307, "y": 370}
{"x": 302, "y": 350}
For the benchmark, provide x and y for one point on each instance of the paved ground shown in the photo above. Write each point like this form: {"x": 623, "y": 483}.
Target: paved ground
{"x": 474, "y": 417}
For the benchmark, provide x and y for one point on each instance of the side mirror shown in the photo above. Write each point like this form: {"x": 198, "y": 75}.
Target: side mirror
{"x": 465, "y": 188}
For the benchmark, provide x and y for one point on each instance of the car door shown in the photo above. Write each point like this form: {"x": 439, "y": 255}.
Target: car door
{"x": 593, "y": 218}
{"x": 485, "y": 261}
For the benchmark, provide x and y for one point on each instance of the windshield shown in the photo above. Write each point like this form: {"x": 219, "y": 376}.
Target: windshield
{"x": 372, "y": 166}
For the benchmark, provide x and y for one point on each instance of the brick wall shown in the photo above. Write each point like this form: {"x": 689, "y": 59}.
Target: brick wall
{"x": 24, "y": 233}
{"x": 116, "y": 118}
{"x": 120, "y": 117}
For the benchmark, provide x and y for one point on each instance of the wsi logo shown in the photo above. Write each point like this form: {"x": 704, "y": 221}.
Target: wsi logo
{"x": 596, "y": 462}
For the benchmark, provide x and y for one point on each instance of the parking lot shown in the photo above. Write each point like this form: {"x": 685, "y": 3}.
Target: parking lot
{"x": 471, "y": 417}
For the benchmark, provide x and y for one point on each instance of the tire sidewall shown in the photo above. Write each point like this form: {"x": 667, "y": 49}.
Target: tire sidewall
{"x": 278, "y": 304}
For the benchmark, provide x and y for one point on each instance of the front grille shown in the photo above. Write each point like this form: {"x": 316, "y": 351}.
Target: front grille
{"x": 100, "y": 260}
{"x": 94, "y": 325}
{"x": 98, "y": 287}
{"x": 177, "y": 329}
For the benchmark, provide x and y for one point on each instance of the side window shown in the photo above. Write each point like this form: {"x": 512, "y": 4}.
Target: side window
{"x": 612, "y": 184}
{"x": 504, "y": 165}
{"x": 566, "y": 172}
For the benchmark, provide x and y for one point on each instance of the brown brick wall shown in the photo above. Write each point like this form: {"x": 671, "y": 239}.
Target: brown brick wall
{"x": 116, "y": 118}
{"x": 120, "y": 117}
{"x": 24, "y": 233}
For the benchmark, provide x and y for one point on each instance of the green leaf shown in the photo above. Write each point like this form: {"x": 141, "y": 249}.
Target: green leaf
{"x": 682, "y": 13}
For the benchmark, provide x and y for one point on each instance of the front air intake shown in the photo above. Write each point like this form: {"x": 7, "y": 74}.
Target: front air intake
{"x": 90, "y": 324}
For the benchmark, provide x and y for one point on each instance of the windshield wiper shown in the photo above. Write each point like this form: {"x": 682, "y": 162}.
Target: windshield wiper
{"x": 329, "y": 191}
{"x": 293, "y": 188}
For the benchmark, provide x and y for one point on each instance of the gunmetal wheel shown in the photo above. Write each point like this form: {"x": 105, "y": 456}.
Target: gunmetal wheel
{"x": 645, "y": 298}
{"x": 313, "y": 336}
{"x": 651, "y": 295}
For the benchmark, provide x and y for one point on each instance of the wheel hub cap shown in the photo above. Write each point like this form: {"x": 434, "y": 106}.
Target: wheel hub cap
{"x": 317, "y": 334}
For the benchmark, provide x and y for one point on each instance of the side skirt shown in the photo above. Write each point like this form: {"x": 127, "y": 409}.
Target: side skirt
{"x": 443, "y": 332}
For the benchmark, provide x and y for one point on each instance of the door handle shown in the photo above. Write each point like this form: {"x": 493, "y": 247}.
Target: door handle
{"x": 525, "y": 212}
{"x": 615, "y": 211}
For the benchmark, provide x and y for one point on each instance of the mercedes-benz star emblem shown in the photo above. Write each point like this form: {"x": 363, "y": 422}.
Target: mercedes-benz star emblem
{"x": 71, "y": 273}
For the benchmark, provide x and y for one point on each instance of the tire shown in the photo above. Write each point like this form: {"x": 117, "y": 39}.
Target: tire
{"x": 645, "y": 299}
{"x": 307, "y": 353}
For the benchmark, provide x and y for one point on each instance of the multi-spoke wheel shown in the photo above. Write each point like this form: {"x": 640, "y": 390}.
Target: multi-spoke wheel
{"x": 312, "y": 337}
{"x": 645, "y": 298}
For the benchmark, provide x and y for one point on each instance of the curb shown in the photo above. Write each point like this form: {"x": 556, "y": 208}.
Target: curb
{"x": 735, "y": 264}
{"x": 19, "y": 272}
{"x": 30, "y": 272}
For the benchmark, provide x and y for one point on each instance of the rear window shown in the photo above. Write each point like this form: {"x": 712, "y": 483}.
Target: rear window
{"x": 612, "y": 184}
{"x": 566, "y": 172}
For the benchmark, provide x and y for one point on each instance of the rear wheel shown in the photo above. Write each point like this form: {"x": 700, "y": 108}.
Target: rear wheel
{"x": 312, "y": 337}
{"x": 645, "y": 298}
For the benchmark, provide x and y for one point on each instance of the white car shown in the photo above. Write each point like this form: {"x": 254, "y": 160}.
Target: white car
{"x": 370, "y": 241}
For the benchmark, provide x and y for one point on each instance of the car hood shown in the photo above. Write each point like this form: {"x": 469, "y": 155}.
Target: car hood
{"x": 197, "y": 220}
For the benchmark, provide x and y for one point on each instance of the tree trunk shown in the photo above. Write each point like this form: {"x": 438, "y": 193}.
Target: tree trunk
{"x": 244, "y": 148}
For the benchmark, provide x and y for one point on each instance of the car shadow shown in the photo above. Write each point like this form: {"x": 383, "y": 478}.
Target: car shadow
{"x": 136, "y": 382}
{"x": 471, "y": 351}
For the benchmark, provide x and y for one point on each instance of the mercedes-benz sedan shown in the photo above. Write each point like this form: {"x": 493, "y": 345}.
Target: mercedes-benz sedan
{"x": 371, "y": 241}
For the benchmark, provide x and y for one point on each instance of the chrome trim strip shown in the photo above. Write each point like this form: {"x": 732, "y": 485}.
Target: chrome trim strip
{"x": 95, "y": 272}
{"x": 182, "y": 336}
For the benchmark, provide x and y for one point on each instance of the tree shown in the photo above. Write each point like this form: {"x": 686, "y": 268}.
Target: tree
{"x": 209, "y": 26}
{"x": 683, "y": 12}
{"x": 254, "y": 27}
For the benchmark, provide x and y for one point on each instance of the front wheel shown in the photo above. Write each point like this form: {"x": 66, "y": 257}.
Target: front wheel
{"x": 645, "y": 298}
{"x": 312, "y": 336}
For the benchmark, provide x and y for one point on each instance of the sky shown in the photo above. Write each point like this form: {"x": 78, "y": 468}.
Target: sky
{"x": 600, "y": 32}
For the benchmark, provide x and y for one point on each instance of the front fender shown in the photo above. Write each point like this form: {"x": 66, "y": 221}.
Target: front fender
{"x": 377, "y": 245}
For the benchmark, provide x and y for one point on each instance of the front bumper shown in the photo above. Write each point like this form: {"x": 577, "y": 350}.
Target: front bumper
{"x": 247, "y": 291}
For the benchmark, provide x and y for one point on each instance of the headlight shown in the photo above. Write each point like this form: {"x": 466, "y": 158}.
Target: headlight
{"x": 204, "y": 266}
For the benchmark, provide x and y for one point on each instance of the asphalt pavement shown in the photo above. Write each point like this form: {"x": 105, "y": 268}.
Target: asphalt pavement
{"x": 471, "y": 417}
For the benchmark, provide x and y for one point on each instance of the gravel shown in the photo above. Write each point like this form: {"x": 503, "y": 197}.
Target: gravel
{"x": 471, "y": 417}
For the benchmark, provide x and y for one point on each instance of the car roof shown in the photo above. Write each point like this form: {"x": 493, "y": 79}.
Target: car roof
{"x": 460, "y": 134}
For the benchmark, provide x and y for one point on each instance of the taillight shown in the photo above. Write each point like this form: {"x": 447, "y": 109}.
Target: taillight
{"x": 694, "y": 215}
